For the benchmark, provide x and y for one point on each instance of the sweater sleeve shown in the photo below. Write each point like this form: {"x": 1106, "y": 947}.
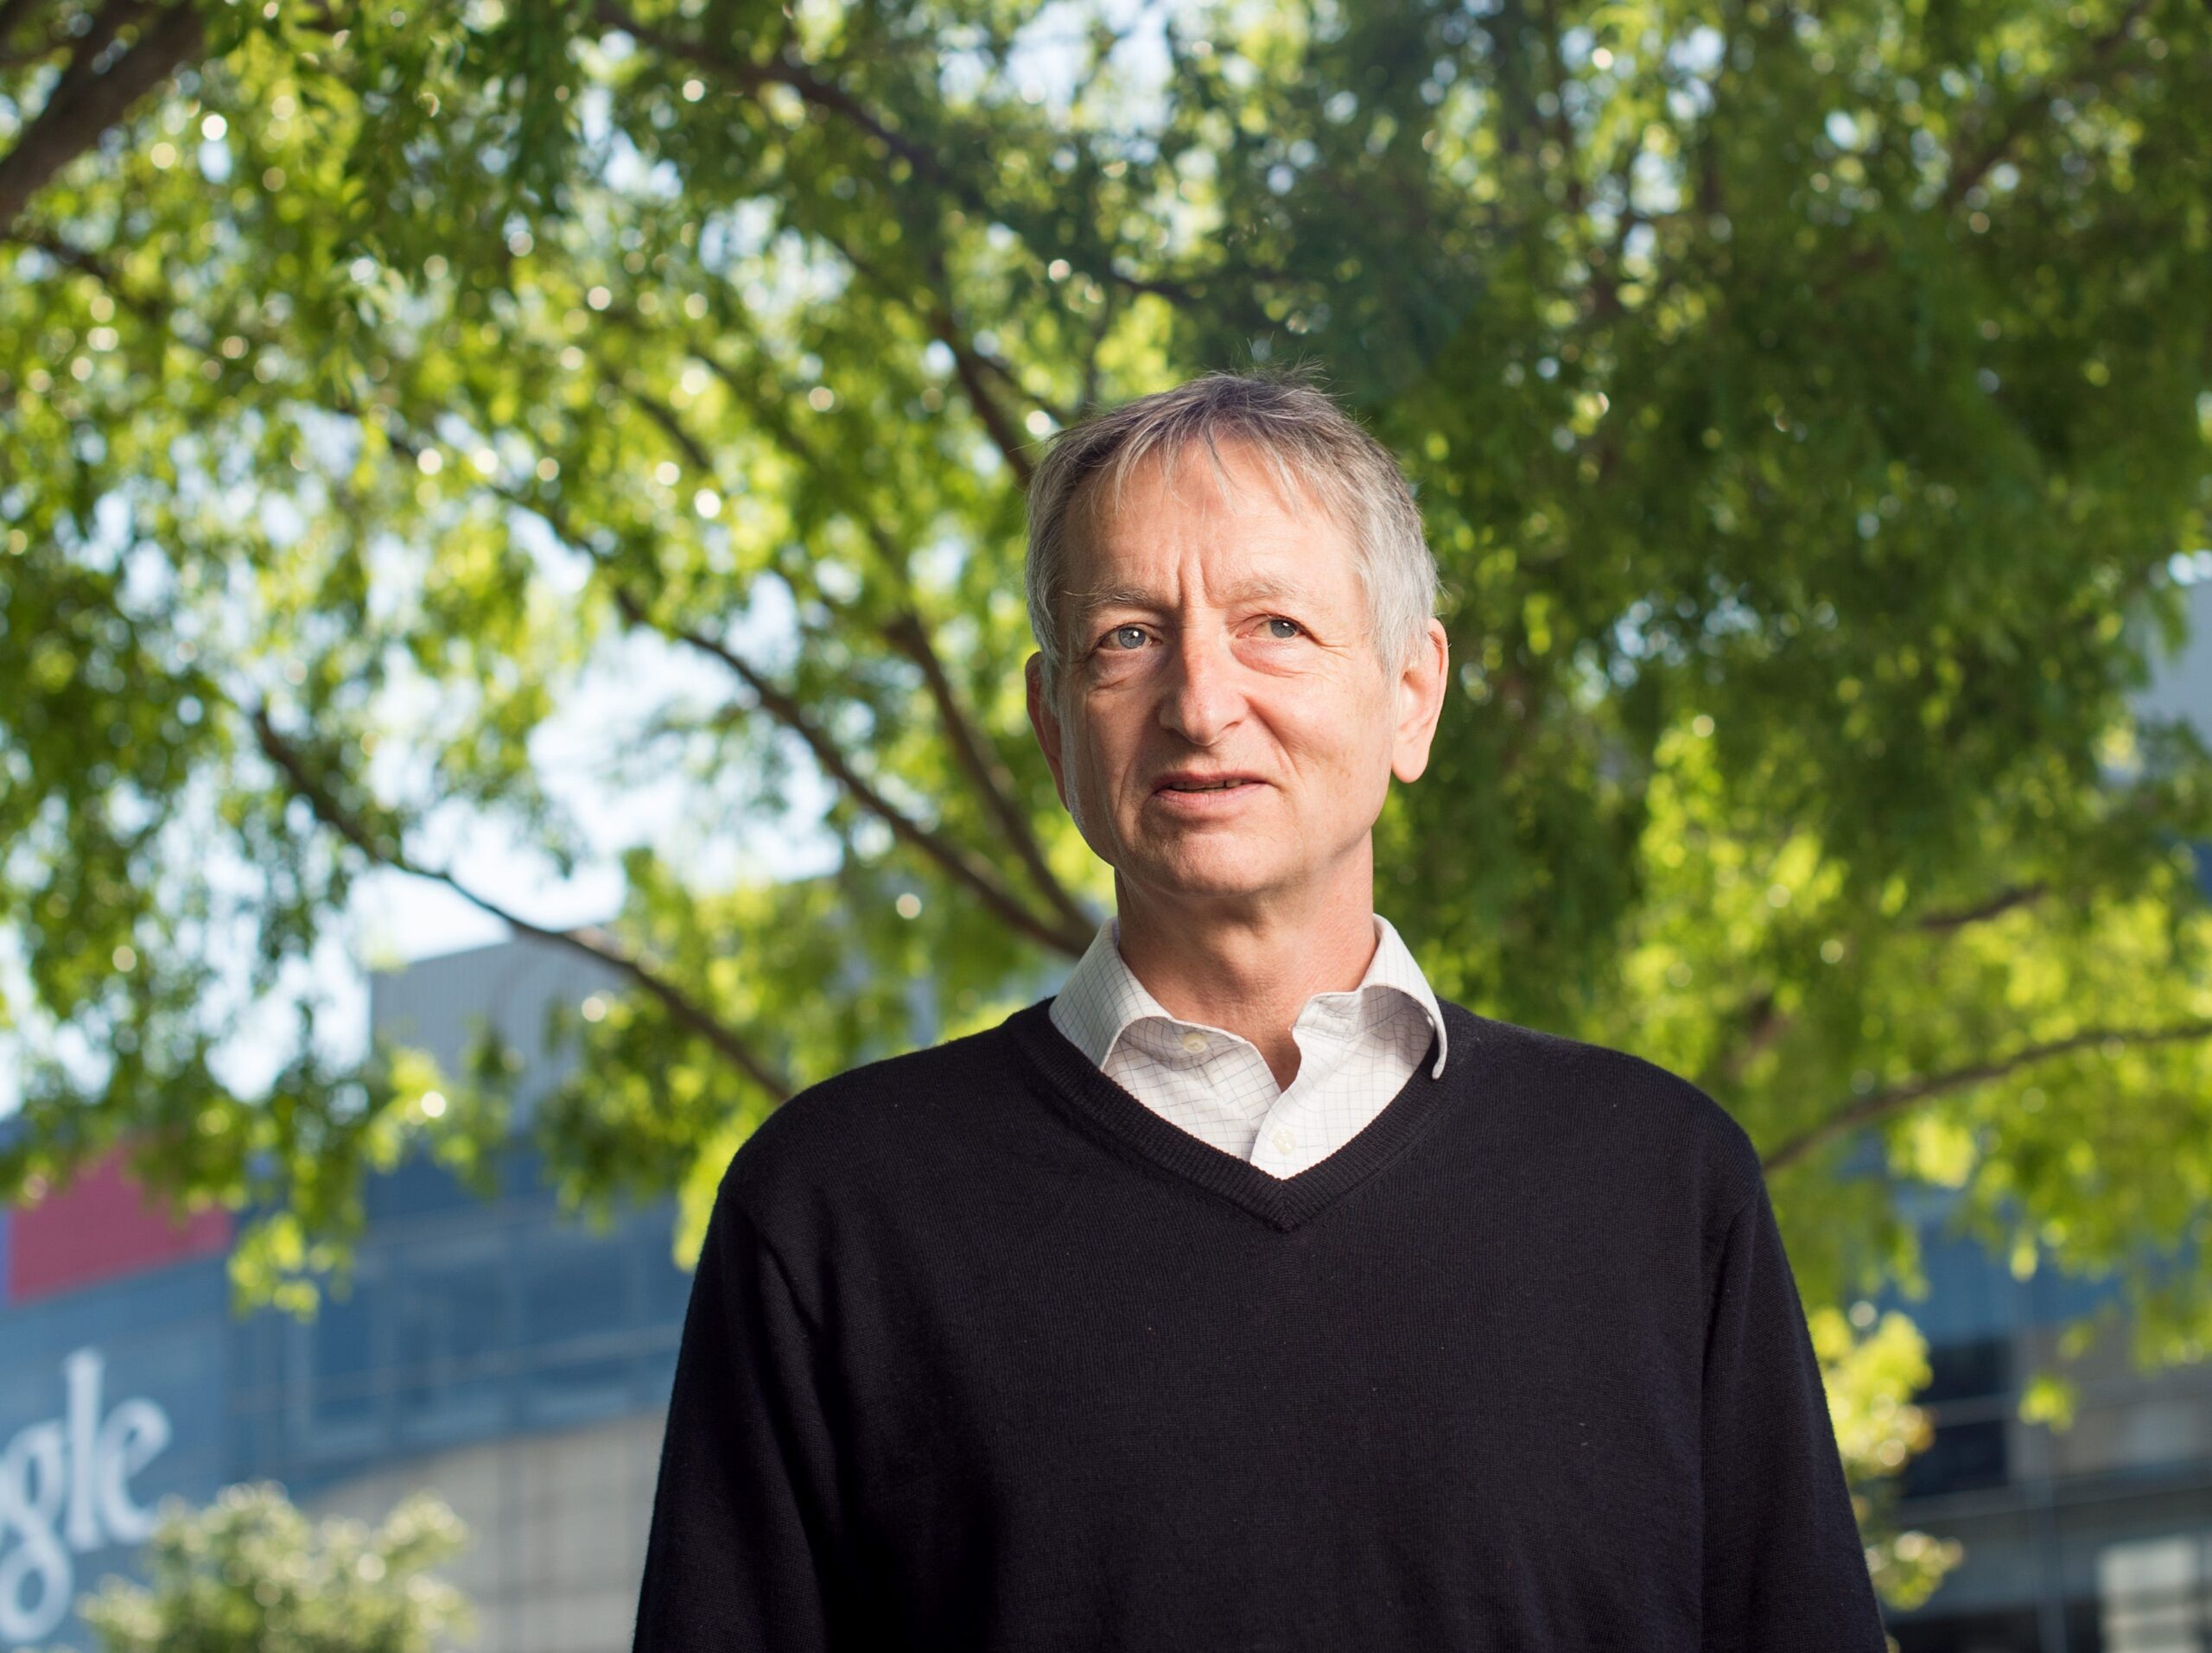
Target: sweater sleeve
{"x": 1784, "y": 1567}
{"x": 737, "y": 1557}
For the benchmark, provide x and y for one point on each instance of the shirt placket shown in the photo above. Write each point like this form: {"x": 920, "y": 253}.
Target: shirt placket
{"x": 1289, "y": 1135}
{"x": 1208, "y": 1080}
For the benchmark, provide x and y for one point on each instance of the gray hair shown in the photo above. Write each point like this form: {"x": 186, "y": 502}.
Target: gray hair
{"x": 1306, "y": 439}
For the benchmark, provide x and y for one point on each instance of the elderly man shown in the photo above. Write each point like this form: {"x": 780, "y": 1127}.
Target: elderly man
{"x": 1244, "y": 1295}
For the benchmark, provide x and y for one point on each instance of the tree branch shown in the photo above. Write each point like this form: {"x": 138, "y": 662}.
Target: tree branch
{"x": 109, "y": 21}
{"x": 1765, "y": 1023}
{"x": 789, "y": 70}
{"x": 1005, "y": 436}
{"x": 152, "y": 310}
{"x": 2004, "y": 901}
{"x": 970, "y": 364}
{"x": 1882, "y": 1103}
{"x": 12, "y": 13}
{"x": 909, "y": 632}
{"x": 957, "y": 863}
{"x": 1069, "y": 938}
{"x": 84, "y": 105}
{"x": 1979, "y": 161}
{"x": 588, "y": 939}
{"x": 663, "y": 416}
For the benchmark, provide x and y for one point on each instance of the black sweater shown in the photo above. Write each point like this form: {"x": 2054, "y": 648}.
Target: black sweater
{"x": 983, "y": 1354}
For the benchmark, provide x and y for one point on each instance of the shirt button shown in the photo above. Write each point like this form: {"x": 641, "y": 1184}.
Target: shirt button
{"x": 1285, "y": 1140}
{"x": 1194, "y": 1042}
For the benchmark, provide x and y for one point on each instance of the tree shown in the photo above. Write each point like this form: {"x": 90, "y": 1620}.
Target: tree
{"x": 1809, "y": 410}
{"x": 1870, "y": 1381}
{"x": 250, "y": 1573}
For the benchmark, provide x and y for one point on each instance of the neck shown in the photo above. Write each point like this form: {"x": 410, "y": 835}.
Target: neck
{"x": 1248, "y": 966}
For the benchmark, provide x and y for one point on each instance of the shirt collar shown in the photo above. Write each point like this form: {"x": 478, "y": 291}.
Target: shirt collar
{"x": 1102, "y": 996}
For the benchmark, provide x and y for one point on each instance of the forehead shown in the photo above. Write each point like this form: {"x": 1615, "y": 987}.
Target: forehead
{"x": 1228, "y": 506}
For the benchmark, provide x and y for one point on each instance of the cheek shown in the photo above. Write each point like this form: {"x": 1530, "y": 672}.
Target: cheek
{"x": 1095, "y": 761}
{"x": 1106, "y": 735}
{"x": 1335, "y": 729}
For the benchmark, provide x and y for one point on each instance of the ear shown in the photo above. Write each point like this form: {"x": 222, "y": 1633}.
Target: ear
{"x": 1044, "y": 722}
{"x": 1419, "y": 694}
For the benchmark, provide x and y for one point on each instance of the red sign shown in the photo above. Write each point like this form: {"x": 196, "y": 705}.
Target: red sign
{"x": 100, "y": 1227}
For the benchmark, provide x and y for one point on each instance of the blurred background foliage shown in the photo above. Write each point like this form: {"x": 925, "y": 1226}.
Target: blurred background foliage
{"x": 1809, "y": 407}
{"x": 250, "y": 1572}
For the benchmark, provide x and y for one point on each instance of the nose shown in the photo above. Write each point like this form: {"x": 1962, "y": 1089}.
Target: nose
{"x": 1201, "y": 699}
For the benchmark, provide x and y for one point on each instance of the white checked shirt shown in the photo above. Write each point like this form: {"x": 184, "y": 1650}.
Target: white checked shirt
{"x": 1355, "y": 1052}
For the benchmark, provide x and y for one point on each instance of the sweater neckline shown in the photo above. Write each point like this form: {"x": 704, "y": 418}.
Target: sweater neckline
{"x": 1283, "y": 1203}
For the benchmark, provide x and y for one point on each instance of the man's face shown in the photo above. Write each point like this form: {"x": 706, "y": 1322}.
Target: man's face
{"x": 1226, "y": 725}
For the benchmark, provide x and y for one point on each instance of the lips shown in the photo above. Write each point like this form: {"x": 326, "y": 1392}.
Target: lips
{"x": 1188, "y": 783}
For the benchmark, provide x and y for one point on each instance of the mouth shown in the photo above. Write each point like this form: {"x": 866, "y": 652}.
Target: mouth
{"x": 1191, "y": 783}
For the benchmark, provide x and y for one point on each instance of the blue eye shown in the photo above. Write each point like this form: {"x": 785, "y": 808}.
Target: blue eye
{"x": 1288, "y": 627}
{"x": 1126, "y": 638}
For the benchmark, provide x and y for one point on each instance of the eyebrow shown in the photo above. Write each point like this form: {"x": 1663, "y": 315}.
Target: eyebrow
{"x": 1264, "y": 587}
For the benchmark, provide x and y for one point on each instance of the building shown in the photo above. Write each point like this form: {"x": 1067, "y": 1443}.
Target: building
{"x": 2092, "y": 1540}
{"x": 512, "y": 1360}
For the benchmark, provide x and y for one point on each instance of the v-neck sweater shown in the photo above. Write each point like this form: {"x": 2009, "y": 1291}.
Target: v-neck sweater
{"x": 1356, "y": 1049}
{"x": 983, "y": 1354}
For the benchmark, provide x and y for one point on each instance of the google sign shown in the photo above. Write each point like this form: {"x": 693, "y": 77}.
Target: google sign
{"x": 65, "y": 1491}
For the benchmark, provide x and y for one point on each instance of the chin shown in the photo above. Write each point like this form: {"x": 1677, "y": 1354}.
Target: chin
{"x": 1221, "y": 867}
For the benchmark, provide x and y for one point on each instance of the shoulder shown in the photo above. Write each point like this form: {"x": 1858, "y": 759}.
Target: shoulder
{"x": 1623, "y": 1109}
{"x": 891, "y": 1117}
